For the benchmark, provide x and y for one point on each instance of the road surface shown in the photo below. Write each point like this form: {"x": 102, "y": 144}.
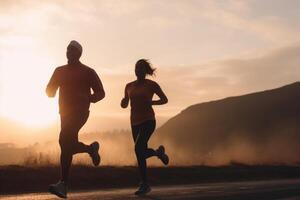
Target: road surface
{"x": 254, "y": 190}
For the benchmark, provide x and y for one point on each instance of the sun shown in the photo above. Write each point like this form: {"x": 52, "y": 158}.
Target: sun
{"x": 24, "y": 76}
{"x": 33, "y": 110}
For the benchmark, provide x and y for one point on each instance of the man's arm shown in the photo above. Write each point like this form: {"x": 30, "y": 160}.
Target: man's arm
{"x": 53, "y": 84}
{"x": 98, "y": 90}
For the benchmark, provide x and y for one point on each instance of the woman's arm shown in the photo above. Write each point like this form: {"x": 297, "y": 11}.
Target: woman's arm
{"x": 125, "y": 100}
{"x": 162, "y": 97}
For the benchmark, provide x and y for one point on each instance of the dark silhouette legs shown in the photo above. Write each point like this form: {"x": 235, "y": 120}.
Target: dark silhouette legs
{"x": 68, "y": 140}
{"x": 141, "y": 134}
{"x": 67, "y": 156}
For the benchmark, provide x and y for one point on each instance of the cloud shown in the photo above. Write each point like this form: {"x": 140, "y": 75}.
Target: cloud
{"x": 219, "y": 79}
{"x": 185, "y": 32}
{"x": 278, "y": 67}
{"x": 181, "y": 38}
{"x": 240, "y": 15}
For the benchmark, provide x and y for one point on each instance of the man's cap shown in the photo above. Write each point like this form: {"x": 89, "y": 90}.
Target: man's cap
{"x": 76, "y": 44}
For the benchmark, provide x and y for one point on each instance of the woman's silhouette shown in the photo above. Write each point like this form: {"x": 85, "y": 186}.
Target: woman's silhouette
{"x": 140, "y": 93}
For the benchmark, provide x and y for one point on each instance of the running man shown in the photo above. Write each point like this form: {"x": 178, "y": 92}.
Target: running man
{"x": 140, "y": 93}
{"x": 75, "y": 81}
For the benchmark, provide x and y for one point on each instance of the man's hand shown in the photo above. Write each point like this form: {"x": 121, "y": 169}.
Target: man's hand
{"x": 98, "y": 96}
{"x": 124, "y": 102}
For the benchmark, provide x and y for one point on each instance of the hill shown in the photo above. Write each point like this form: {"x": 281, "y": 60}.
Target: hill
{"x": 257, "y": 128}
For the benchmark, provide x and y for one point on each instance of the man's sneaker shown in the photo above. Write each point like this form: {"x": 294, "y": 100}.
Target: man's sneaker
{"x": 143, "y": 189}
{"x": 162, "y": 155}
{"x": 59, "y": 189}
{"x": 95, "y": 153}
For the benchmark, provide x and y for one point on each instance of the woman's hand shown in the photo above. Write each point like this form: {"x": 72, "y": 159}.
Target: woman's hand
{"x": 160, "y": 101}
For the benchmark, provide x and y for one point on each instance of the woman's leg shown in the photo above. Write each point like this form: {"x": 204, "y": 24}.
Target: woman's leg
{"x": 143, "y": 133}
{"x": 149, "y": 152}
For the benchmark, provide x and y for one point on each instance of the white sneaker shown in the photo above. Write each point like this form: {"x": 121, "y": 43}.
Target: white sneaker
{"x": 59, "y": 189}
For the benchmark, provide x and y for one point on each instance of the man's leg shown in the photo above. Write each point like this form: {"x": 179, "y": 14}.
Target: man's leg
{"x": 60, "y": 188}
{"x": 79, "y": 147}
{"x": 77, "y": 123}
{"x": 68, "y": 140}
{"x": 66, "y": 143}
{"x": 65, "y": 163}
{"x": 66, "y": 156}
{"x": 70, "y": 126}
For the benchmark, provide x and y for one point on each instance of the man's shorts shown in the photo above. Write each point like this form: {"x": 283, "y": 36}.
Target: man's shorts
{"x": 70, "y": 126}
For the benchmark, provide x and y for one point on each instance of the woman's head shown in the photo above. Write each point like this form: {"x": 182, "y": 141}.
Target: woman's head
{"x": 143, "y": 68}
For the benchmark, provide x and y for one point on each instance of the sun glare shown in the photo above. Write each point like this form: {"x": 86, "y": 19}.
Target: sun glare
{"x": 23, "y": 99}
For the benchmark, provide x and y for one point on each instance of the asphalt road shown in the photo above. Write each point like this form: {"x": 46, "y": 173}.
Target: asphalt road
{"x": 256, "y": 190}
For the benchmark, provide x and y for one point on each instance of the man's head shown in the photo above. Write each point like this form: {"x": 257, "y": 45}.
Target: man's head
{"x": 74, "y": 51}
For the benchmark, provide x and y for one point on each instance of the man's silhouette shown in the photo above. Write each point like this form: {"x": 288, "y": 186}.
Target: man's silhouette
{"x": 75, "y": 81}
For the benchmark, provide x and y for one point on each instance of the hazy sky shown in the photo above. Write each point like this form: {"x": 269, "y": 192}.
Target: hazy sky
{"x": 203, "y": 50}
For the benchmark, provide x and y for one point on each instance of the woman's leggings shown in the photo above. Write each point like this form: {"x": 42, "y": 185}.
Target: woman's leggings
{"x": 141, "y": 134}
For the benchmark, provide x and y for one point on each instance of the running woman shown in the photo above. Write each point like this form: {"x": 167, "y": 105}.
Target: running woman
{"x": 142, "y": 117}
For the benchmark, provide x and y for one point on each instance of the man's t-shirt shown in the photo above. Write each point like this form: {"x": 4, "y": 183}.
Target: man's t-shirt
{"x": 140, "y": 95}
{"x": 75, "y": 84}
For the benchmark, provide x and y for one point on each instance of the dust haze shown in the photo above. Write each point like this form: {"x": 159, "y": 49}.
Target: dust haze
{"x": 279, "y": 147}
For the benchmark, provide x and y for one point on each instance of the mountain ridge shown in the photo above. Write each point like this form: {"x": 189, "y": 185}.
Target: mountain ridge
{"x": 255, "y": 122}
